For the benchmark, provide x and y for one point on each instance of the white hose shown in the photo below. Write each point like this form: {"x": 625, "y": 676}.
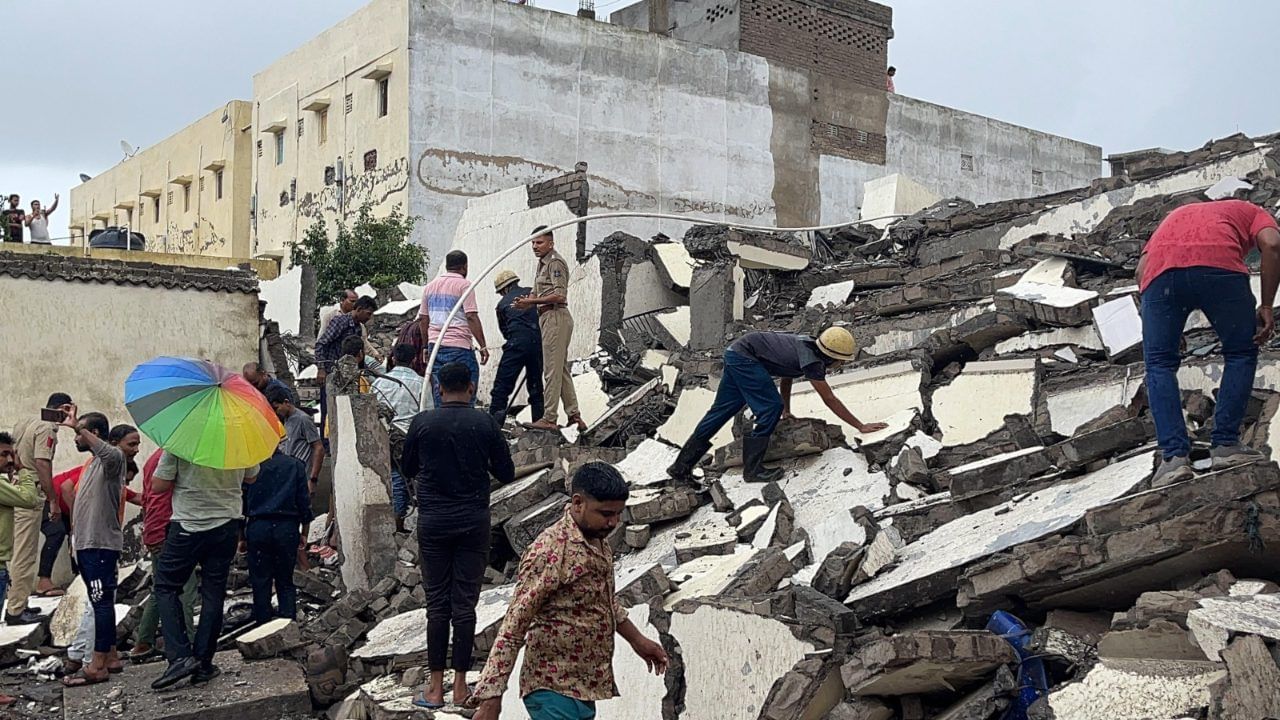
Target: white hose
{"x": 426, "y": 399}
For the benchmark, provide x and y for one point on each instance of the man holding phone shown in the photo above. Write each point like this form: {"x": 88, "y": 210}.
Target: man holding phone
{"x": 35, "y": 443}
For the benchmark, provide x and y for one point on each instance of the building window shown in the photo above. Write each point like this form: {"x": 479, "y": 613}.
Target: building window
{"x": 217, "y": 184}
{"x": 1037, "y": 178}
{"x": 347, "y": 103}
{"x": 966, "y": 162}
{"x": 186, "y": 198}
{"x": 279, "y": 147}
{"x": 384, "y": 95}
{"x": 371, "y": 161}
{"x": 329, "y": 175}
{"x": 322, "y": 127}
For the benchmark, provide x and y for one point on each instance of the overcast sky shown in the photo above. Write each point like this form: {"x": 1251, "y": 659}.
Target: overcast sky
{"x": 85, "y": 74}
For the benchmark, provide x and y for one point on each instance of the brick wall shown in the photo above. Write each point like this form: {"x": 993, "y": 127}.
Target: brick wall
{"x": 847, "y": 142}
{"x": 847, "y": 39}
{"x": 574, "y": 190}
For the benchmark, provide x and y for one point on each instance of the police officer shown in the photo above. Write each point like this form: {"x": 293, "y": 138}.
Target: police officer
{"x": 750, "y": 365}
{"x": 521, "y": 351}
{"x": 551, "y": 297}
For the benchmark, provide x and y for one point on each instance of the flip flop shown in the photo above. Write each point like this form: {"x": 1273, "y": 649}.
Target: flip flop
{"x": 80, "y": 680}
{"x": 55, "y": 592}
{"x": 420, "y": 700}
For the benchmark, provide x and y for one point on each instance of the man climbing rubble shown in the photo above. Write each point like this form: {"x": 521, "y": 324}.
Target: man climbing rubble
{"x": 1195, "y": 261}
{"x": 750, "y": 365}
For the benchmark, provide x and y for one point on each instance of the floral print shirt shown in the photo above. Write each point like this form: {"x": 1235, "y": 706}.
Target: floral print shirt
{"x": 564, "y": 609}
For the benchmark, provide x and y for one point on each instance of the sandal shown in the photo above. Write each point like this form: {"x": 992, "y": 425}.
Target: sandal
{"x": 420, "y": 700}
{"x": 80, "y": 679}
{"x": 51, "y": 593}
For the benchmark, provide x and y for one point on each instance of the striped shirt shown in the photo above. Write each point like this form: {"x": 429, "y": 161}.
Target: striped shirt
{"x": 438, "y": 298}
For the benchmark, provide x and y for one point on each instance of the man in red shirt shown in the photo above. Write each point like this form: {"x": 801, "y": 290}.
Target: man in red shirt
{"x": 157, "y": 507}
{"x": 1195, "y": 261}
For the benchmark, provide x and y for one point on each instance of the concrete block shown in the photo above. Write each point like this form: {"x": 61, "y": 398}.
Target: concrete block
{"x": 834, "y": 577}
{"x": 894, "y": 194}
{"x": 247, "y": 690}
{"x": 519, "y": 496}
{"x": 1049, "y": 304}
{"x": 523, "y": 528}
{"x": 1158, "y": 639}
{"x": 757, "y": 251}
{"x": 744, "y": 573}
{"x": 637, "y": 536}
{"x": 674, "y": 328}
{"x": 1085, "y": 338}
{"x": 646, "y": 465}
{"x": 794, "y": 438}
{"x": 1220, "y": 618}
{"x": 271, "y": 639}
{"x": 361, "y": 486}
{"x": 1120, "y": 327}
{"x": 709, "y": 540}
{"x": 861, "y": 709}
{"x": 65, "y": 620}
{"x": 836, "y": 294}
{"x": 1252, "y": 689}
{"x": 674, "y": 264}
{"x": 976, "y": 402}
{"x": 1137, "y": 690}
{"x": 1102, "y": 443}
{"x": 655, "y": 505}
{"x": 909, "y": 298}
{"x": 1051, "y": 271}
{"x": 713, "y": 294}
{"x": 924, "y": 661}
{"x": 880, "y": 553}
{"x": 641, "y": 583}
{"x": 490, "y": 610}
{"x": 929, "y": 567}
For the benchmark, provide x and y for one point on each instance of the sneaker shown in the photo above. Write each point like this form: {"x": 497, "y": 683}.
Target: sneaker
{"x": 29, "y": 616}
{"x": 177, "y": 671}
{"x": 1172, "y": 470}
{"x": 1225, "y": 456}
{"x": 206, "y": 673}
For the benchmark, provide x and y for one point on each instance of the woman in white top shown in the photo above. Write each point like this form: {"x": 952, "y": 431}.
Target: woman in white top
{"x": 38, "y": 221}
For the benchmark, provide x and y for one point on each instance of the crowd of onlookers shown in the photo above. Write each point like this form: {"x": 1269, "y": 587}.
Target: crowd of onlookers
{"x": 16, "y": 223}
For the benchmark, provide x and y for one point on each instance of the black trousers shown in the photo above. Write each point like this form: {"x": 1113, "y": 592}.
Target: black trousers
{"x": 453, "y": 561}
{"x": 100, "y": 578}
{"x": 55, "y": 533}
{"x": 273, "y": 554}
{"x": 523, "y": 354}
{"x": 211, "y": 550}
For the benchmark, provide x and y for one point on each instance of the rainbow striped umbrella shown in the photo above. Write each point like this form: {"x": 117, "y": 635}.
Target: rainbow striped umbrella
{"x": 202, "y": 412}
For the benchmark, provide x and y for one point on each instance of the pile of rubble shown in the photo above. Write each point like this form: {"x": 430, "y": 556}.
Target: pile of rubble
{"x": 995, "y": 552}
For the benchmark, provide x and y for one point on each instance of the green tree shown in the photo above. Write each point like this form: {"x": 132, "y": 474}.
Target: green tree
{"x": 373, "y": 250}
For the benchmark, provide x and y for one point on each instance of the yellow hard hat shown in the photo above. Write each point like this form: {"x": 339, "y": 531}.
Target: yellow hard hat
{"x": 504, "y": 278}
{"x": 838, "y": 343}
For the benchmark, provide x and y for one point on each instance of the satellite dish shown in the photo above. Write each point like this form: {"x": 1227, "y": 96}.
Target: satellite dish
{"x": 85, "y": 178}
{"x": 129, "y": 150}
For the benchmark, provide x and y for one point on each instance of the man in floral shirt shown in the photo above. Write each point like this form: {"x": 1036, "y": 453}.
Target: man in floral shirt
{"x": 565, "y": 609}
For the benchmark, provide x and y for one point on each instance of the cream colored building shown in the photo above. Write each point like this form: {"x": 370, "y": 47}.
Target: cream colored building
{"x": 189, "y": 193}
{"x": 331, "y": 127}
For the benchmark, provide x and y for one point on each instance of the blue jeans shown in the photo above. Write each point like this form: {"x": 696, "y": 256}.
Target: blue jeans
{"x": 548, "y": 705}
{"x": 4, "y": 585}
{"x": 1227, "y": 300}
{"x": 744, "y": 383}
{"x": 399, "y": 494}
{"x": 453, "y": 355}
{"x": 273, "y": 554}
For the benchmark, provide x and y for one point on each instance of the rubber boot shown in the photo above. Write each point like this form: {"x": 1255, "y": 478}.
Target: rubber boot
{"x": 690, "y": 454}
{"x": 753, "y": 452}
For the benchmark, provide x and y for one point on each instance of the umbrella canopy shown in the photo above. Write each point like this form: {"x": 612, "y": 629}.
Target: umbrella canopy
{"x": 202, "y": 412}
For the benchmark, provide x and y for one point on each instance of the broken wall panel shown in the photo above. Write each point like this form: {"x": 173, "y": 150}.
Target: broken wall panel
{"x": 975, "y": 404}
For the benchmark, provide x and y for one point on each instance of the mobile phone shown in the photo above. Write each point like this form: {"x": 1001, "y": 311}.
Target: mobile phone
{"x": 53, "y": 415}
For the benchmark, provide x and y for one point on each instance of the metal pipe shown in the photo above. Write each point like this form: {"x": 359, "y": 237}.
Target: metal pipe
{"x": 426, "y": 400}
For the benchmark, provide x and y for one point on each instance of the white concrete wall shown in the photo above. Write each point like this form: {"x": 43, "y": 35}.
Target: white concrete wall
{"x": 85, "y": 338}
{"x": 505, "y": 95}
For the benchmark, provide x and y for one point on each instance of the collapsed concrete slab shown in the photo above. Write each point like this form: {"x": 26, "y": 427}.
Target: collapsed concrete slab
{"x": 1219, "y": 618}
{"x": 1084, "y": 337}
{"x": 646, "y": 400}
{"x": 646, "y": 465}
{"x": 523, "y": 528}
{"x": 894, "y": 194}
{"x": 520, "y": 495}
{"x": 759, "y": 252}
{"x": 691, "y": 405}
{"x": 258, "y": 689}
{"x": 1074, "y": 404}
{"x": 996, "y": 473}
{"x": 1252, "y": 686}
{"x": 975, "y": 404}
{"x": 928, "y": 568}
{"x": 1137, "y": 690}
{"x": 15, "y": 638}
{"x": 674, "y": 264}
{"x": 1120, "y": 327}
{"x": 717, "y": 642}
{"x": 922, "y": 662}
{"x": 834, "y": 294}
{"x": 361, "y": 487}
{"x": 647, "y": 506}
{"x": 674, "y": 329}
{"x": 271, "y": 639}
{"x": 886, "y": 393}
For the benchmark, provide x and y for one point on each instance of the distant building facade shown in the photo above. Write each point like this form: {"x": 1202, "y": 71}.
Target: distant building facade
{"x": 189, "y": 193}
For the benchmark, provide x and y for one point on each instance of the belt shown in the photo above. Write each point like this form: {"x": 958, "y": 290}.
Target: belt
{"x": 549, "y": 308}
